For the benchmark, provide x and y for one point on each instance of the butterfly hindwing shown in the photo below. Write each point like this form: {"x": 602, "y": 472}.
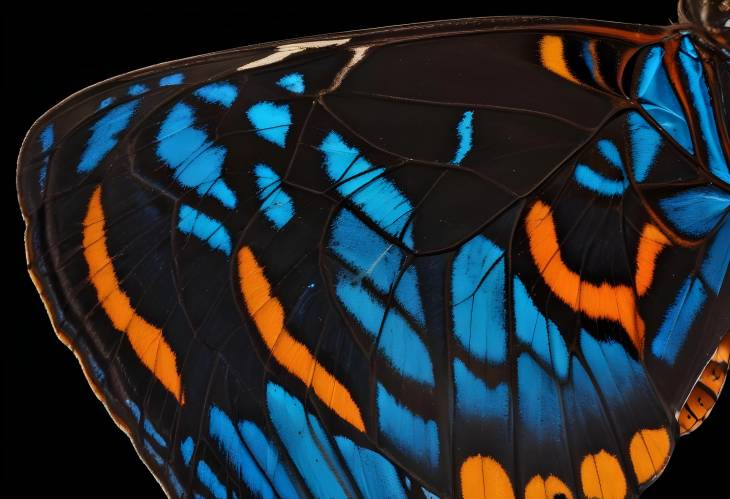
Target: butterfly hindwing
{"x": 400, "y": 263}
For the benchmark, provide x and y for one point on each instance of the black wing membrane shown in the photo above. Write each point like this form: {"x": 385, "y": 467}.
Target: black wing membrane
{"x": 445, "y": 259}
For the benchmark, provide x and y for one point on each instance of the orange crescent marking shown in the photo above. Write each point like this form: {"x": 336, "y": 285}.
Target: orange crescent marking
{"x": 649, "y": 450}
{"x": 484, "y": 478}
{"x": 604, "y": 301}
{"x": 651, "y": 244}
{"x": 552, "y": 56}
{"x": 147, "y": 340}
{"x": 539, "y": 488}
{"x": 602, "y": 476}
{"x": 268, "y": 315}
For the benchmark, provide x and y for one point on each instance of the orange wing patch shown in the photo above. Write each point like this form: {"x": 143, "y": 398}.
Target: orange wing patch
{"x": 268, "y": 315}
{"x": 552, "y": 56}
{"x": 601, "y": 476}
{"x": 147, "y": 340}
{"x": 604, "y": 301}
{"x": 539, "y": 488}
{"x": 649, "y": 450}
{"x": 651, "y": 244}
{"x": 484, "y": 478}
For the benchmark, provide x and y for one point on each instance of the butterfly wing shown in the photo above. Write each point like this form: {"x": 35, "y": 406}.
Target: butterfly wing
{"x": 392, "y": 263}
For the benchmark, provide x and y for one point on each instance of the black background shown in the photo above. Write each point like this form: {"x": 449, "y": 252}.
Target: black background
{"x": 58, "y": 438}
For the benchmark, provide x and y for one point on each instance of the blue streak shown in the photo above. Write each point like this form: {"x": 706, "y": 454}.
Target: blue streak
{"x": 375, "y": 476}
{"x": 200, "y": 225}
{"x": 173, "y": 79}
{"x": 678, "y": 320}
{"x": 221, "y": 93}
{"x": 465, "y": 132}
{"x": 104, "y": 135}
{"x": 696, "y": 211}
{"x": 276, "y": 204}
{"x": 293, "y": 82}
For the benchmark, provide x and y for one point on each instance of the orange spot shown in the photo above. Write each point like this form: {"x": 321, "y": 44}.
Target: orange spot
{"x": 604, "y": 301}
{"x": 484, "y": 478}
{"x": 602, "y": 477}
{"x": 552, "y": 56}
{"x": 538, "y": 488}
{"x": 268, "y": 315}
{"x": 651, "y": 244}
{"x": 147, "y": 340}
{"x": 649, "y": 451}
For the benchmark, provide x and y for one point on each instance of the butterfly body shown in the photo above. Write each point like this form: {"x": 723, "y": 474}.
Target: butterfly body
{"x": 484, "y": 258}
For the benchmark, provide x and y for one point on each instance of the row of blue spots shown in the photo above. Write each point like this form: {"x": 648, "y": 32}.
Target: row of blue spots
{"x": 359, "y": 181}
{"x": 413, "y": 435}
{"x": 428, "y": 494}
{"x": 96, "y": 370}
{"x": 698, "y": 89}
{"x": 398, "y": 342}
{"x": 678, "y": 320}
{"x": 146, "y": 424}
{"x": 615, "y": 372}
{"x": 172, "y": 478}
{"x": 239, "y": 457}
{"x": 137, "y": 89}
{"x": 594, "y": 181}
{"x": 474, "y": 399}
{"x": 539, "y": 402}
{"x": 104, "y": 135}
{"x": 211, "y": 231}
{"x": 271, "y": 121}
{"x": 659, "y": 99}
{"x": 172, "y": 79}
{"x": 645, "y": 144}
{"x": 293, "y": 82}
{"x": 717, "y": 258}
{"x": 696, "y": 211}
{"x": 375, "y": 476}
{"x": 307, "y": 445}
{"x": 539, "y": 333}
{"x": 478, "y": 300}
{"x": 152, "y": 452}
{"x": 465, "y": 132}
{"x": 221, "y": 93}
{"x": 46, "y": 140}
{"x": 196, "y": 161}
{"x": 276, "y": 204}
{"x": 376, "y": 260}
{"x": 208, "y": 478}
{"x": 186, "y": 450}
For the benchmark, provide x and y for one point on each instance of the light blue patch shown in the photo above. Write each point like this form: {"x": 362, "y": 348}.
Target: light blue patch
{"x": 376, "y": 260}
{"x": 717, "y": 258}
{"x": 276, "y": 204}
{"x": 175, "y": 482}
{"x": 186, "y": 449}
{"x": 310, "y": 455}
{"x": 539, "y": 402}
{"x": 594, "y": 181}
{"x": 266, "y": 455}
{"x": 413, "y": 435}
{"x": 104, "y": 135}
{"x": 271, "y": 121}
{"x": 293, "y": 82}
{"x": 660, "y": 101}
{"x": 196, "y": 161}
{"x": 134, "y": 409}
{"x": 221, "y": 93}
{"x": 398, "y": 342}
{"x": 106, "y": 102}
{"x": 208, "y": 478}
{"x": 46, "y": 138}
{"x": 588, "y": 57}
{"x": 645, "y": 145}
{"x": 698, "y": 89}
{"x": 540, "y": 334}
{"x": 379, "y": 199}
{"x": 678, "y": 320}
{"x": 611, "y": 153}
{"x": 696, "y": 211}
{"x": 465, "y": 132}
{"x": 151, "y": 431}
{"x": 137, "y": 89}
{"x": 208, "y": 230}
{"x": 428, "y": 494}
{"x": 173, "y": 79}
{"x": 617, "y": 375}
{"x": 478, "y": 302}
{"x": 224, "y": 432}
{"x": 152, "y": 452}
{"x": 375, "y": 476}
{"x": 474, "y": 399}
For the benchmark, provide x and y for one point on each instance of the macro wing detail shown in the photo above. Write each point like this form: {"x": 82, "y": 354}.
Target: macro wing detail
{"x": 399, "y": 263}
